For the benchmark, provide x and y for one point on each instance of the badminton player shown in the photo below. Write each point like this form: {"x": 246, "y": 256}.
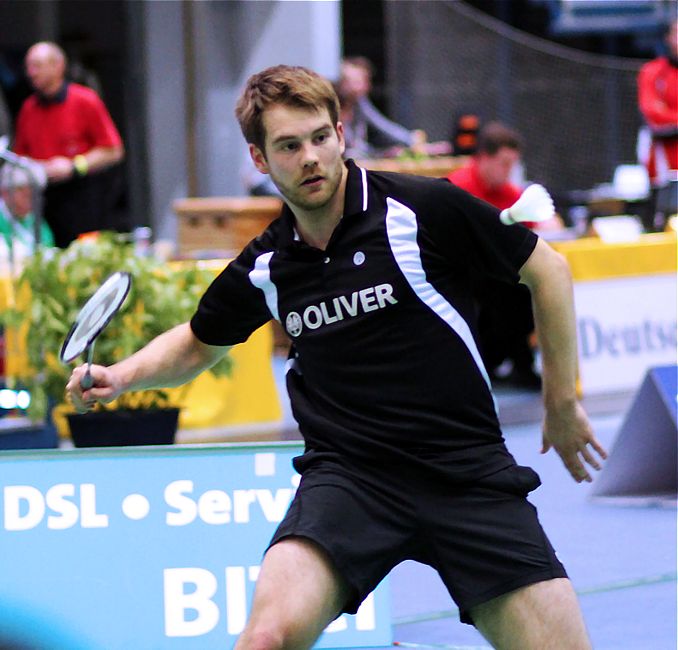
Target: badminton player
{"x": 373, "y": 277}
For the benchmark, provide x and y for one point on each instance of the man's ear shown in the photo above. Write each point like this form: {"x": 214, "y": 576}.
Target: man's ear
{"x": 342, "y": 139}
{"x": 258, "y": 158}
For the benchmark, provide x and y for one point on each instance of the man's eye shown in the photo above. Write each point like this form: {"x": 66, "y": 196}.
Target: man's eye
{"x": 290, "y": 146}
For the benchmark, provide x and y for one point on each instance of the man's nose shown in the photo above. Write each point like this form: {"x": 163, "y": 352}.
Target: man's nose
{"x": 309, "y": 155}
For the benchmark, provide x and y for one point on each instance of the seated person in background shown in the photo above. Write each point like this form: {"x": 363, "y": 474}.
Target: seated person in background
{"x": 505, "y": 321}
{"x": 489, "y": 172}
{"x": 368, "y": 133}
{"x": 487, "y": 175}
{"x": 254, "y": 182}
{"x": 17, "y": 221}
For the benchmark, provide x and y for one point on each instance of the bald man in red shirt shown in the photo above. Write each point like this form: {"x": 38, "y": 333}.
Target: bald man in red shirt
{"x": 67, "y": 128}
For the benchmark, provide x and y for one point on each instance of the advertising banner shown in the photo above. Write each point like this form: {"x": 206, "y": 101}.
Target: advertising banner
{"x": 625, "y": 326}
{"x": 147, "y": 548}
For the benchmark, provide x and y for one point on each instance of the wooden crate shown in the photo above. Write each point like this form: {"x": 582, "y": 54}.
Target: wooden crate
{"x": 436, "y": 167}
{"x": 223, "y": 224}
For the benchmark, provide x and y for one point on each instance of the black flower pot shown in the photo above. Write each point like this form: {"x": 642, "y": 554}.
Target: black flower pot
{"x": 121, "y": 428}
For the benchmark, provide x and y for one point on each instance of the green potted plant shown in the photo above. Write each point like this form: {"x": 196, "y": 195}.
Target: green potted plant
{"x": 52, "y": 287}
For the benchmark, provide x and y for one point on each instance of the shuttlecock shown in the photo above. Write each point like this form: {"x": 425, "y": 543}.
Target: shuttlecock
{"x": 534, "y": 204}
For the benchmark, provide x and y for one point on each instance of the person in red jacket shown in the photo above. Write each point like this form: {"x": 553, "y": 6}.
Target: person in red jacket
{"x": 67, "y": 128}
{"x": 658, "y": 103}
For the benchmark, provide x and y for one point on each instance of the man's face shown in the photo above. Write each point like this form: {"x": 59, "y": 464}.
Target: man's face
{"x": 18, "y": 200}
{"x": 44, "y": 69}
{"x": 354, "y": 82}
{"x": 495, "y": 169}
{"x": 303, "y": 155}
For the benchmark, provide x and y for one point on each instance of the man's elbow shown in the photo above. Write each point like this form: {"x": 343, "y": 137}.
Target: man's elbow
{"x": 546, "y": 267}
{"x": 559, "y": 264}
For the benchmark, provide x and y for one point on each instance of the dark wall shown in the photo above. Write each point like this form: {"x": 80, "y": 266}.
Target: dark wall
{"x": 573, "y": 97}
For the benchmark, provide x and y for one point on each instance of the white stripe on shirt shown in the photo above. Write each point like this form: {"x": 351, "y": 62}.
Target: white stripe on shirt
{"x": 401, "y": 226}
{"x": 363, "y": 175}
{"x": 260, "y": 277}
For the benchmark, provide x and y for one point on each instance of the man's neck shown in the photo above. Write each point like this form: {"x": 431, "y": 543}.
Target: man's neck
{"x": 316, "y": 230}
{"x": 315, "y": 227}
{"x": 55, "y": 93}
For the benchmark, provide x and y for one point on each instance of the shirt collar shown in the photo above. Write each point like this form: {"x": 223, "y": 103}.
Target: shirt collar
{"x": 58, "y": 98}
{"x": 355, "y": 202}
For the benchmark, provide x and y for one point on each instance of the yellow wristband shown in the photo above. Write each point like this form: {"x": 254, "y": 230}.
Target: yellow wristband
{"x": 80, "y": 165}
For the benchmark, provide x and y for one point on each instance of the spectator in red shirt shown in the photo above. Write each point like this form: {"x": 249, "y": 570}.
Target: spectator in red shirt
{"x": 487, "y": 173}
{"x": 67, "y": 128}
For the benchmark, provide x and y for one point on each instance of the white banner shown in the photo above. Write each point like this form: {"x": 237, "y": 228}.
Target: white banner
{"x": 624, "y": 327}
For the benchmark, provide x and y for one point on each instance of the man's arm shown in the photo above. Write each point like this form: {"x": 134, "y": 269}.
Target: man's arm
{"x": 61, "y": 168}
{"x": 566, "y": 427}
{"x": 388, "y": 133}
{"x": 101, "y": 157}
{"x": 171, "y": 359}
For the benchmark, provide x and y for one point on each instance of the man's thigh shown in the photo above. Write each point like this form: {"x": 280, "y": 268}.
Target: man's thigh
{"x": 541, "y": 616}
{"x": 486, "y": 540}
{"x": 359, "y": 523}
{"x": 298, "y": 594}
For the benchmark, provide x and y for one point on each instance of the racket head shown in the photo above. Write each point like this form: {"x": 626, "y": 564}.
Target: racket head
{"x": 96, "y": 313}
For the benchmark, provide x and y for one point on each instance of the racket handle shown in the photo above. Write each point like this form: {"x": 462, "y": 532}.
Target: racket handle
{"x": 87, "y": 382}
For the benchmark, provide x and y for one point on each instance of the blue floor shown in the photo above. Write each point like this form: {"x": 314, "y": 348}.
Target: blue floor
{"x": 622, "y": 561}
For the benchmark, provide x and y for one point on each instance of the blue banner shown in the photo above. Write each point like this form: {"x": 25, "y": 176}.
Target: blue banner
{"x": 147, "y": 547}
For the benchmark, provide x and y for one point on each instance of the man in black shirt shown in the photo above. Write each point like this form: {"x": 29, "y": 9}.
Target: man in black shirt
{"x": 373, "y": 275}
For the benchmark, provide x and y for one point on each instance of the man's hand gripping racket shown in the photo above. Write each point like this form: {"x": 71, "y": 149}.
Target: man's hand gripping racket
{"x": 89, "y": 323}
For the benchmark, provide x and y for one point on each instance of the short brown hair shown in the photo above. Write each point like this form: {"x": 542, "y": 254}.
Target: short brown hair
{"x": 282, "y": 84}
{"x": 495, "y": 135}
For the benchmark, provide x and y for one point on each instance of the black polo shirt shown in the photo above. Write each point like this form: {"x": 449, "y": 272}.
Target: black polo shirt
{"x": 384, "y": 365}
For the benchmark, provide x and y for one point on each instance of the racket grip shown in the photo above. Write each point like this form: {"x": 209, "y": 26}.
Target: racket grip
{"x": 86, "y": 382}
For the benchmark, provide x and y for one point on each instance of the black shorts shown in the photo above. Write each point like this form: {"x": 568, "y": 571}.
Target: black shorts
{"x": 484, "y": 540}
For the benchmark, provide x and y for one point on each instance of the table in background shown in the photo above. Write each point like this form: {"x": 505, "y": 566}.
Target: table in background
{"x": 437, "y": 167}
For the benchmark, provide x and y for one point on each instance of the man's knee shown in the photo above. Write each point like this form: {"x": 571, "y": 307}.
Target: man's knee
{"x": 271, "y": 635}
{"x": 261, "y": 636}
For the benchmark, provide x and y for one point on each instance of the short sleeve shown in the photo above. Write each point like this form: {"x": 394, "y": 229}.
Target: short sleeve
{"x": 232, "y": 307}
{"x": 102, "y": 130}
{"x": 468, "y": 232}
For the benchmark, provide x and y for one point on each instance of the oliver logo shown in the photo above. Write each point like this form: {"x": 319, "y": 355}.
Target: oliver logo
{"x": 337, "y": 309}
{"x": 293, "y": 324}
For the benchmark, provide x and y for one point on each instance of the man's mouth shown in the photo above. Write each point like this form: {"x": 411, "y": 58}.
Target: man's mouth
{"x": 312, "y": 180}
